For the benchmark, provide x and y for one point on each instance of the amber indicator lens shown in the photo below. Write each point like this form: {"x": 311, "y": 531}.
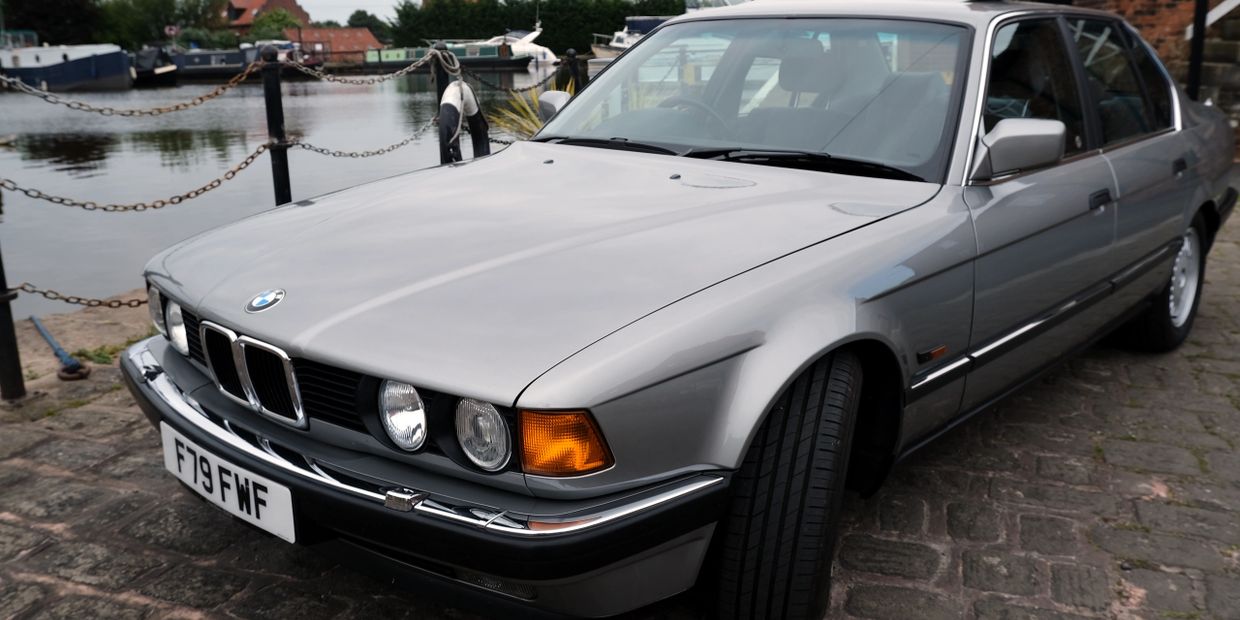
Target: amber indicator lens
{"x": 561, "y": 443}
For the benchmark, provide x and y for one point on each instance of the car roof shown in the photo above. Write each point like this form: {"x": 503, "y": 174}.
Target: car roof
{"x": 978, "y": 13}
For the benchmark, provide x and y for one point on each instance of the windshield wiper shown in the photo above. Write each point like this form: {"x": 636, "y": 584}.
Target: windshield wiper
{"x": 811, "y": 160}
{"x": 621, "y": 144}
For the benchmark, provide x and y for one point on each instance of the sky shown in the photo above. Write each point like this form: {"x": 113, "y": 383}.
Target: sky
{"x": 340, "y": 10}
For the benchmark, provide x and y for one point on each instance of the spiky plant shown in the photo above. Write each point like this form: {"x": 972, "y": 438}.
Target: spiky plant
{"x": 519, "y": 115}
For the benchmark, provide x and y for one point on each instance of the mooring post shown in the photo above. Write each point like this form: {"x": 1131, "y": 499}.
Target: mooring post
{"x": 275, "y": 124}
{"x": 1197, "y": 48}
{"x": 574, "y": 68}
{"x": 11, "y": 381}
{"x": 441, "y": 74}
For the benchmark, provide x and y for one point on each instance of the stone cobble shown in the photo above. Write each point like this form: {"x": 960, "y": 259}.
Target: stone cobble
{"x": 1108, "y": 489}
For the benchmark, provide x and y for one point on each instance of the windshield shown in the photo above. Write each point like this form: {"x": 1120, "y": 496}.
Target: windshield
{"x": 878, "y": 90}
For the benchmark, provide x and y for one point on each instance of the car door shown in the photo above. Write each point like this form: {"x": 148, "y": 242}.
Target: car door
{"x": 1133, "y": 100}
{"x": 1043, "y": 235}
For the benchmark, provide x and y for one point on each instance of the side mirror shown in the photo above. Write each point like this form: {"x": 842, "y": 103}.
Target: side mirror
{"x": 550, "y": 102}
{"x": 1017, "y": 144}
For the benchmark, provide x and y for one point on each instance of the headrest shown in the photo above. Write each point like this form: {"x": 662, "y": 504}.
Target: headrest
{"x": 805, "y": 67}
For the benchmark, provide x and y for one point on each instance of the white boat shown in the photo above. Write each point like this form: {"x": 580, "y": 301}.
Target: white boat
{"x": 634, "y": 29}
{"x": 522, "y": 44}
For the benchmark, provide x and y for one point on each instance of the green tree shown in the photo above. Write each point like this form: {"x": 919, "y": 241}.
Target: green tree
{"x": 208, "y": 39}
{"x": 57, "y": 22}
{"x": 271, "y": 25}
{"x": 371, "y": 22}
{"x": 201, "y": 13}
{"x": 133, "y": 23}
{"x": 330, "y": 23}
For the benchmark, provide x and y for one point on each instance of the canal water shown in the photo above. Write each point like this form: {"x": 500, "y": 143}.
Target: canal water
{"x": 122, "y": 160}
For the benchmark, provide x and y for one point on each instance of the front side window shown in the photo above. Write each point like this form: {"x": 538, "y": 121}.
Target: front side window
{"x": 1031, "y": 77}
{"x": 876, "y": 90}
{"x": 1122, "y": 108}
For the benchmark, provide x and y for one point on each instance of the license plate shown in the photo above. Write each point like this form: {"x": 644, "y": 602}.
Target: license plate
{"x": 248, "y": 496}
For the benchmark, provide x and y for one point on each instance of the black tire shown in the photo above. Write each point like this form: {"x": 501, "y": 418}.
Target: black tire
{"x": 777, "y": 544}
{"x": 1157, "y": 329}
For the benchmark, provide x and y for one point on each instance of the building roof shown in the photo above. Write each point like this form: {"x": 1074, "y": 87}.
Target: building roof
{"x": 334, "y": 39}
{"x": 250, "y": 9}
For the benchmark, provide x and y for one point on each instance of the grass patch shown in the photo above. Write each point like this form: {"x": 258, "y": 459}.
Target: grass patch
{"x": 106, "y": 354}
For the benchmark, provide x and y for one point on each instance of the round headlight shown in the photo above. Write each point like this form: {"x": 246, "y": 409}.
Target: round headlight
{"x": 156, "y": 305}
{"x": 403, "y": 415}
{"x": 483, "y": 434}
{"x": 176, "y": 328}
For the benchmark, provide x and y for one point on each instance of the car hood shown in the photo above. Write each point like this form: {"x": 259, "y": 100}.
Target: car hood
{"x": 476, "y": 278}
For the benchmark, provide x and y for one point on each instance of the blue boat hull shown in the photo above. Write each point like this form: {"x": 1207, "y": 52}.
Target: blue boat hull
{"x": 99, "y": 72}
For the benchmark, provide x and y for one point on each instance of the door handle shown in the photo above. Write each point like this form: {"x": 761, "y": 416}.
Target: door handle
{"x": 1099, "y": 199}
{"x": 1179, "y": 166}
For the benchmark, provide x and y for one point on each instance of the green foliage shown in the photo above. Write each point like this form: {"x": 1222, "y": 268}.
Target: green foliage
{"x": 271, "y": 25}
{"x": 208, "y": 39}
{"x": 330, "y": 23}
{"x": 566, "y": 23}
{"x": 131, "y": 23}
{"x": 57, "y": 22}
{"x": 377, "y": 27}
{"x": 202, "y": 14}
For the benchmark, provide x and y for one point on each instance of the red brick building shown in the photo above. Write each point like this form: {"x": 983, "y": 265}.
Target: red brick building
{"x": 241, "y": 13}
{"x": 334, "y": 44}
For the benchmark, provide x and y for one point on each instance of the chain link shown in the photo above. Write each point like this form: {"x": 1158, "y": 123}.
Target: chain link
{"x": 418, "y": 133}
{"x": 82, "y": 106}
{"x": 448, "y": 60}
{"x": 493, "y": 86}
{"x": 90, "y": 205}
{"x": 89, "y": 302}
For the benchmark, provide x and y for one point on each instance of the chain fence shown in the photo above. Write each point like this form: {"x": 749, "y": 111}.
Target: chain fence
{"x": 82, "y": 106}
{"x": 448, "y": 60}
{"x": 499, "y": 87}
{"x": 91, "y": 205}
{"x": 89, "y": 302}
{"x": 417, "y": 133}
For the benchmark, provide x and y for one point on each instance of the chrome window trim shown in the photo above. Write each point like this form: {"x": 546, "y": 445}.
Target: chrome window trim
{"x": 486, "y": 518}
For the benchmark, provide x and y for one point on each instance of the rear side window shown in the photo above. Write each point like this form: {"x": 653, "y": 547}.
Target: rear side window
{"x": 1111, "y": 78}
{"x": 1157, "y": 89}
{"x": 1031, "y": 77}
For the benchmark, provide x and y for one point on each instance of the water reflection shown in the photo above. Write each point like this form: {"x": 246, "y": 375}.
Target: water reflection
{"x": 125, "y": 160}
{"x": 81, "y": 155}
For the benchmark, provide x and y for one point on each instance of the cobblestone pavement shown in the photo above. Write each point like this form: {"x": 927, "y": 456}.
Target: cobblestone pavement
{"x": 1110, "y": 489}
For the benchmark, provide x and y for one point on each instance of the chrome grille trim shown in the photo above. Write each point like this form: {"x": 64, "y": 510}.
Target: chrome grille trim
{"x": 238, "y": 345}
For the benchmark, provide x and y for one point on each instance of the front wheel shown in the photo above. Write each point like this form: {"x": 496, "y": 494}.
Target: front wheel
{"x": 1166, "y": 323}
{"x": 777, "y": 543}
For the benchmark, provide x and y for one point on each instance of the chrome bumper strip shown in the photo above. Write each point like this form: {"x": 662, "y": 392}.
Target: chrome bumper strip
{"x": 486, "y": 518}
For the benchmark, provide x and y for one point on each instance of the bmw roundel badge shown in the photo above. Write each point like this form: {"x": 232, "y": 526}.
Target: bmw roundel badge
{"x": 265, "y": 300}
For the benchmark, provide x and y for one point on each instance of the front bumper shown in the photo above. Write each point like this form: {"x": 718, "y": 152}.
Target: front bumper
{"x": 611, "y": 557}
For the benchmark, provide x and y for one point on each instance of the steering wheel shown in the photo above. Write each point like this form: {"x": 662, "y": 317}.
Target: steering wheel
{"x": 679, "y": 100}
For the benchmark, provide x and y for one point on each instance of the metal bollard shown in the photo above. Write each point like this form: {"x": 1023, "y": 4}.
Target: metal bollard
{"x": 441, "y": 75}
{"x": 12, "y": 386}
{"x": 275, "y": 124}
{"x": 1197, "y": 49}
{"x": 574, "y": 68}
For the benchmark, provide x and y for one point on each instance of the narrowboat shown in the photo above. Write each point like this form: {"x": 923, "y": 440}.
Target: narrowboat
{"x": 64, "y": 68}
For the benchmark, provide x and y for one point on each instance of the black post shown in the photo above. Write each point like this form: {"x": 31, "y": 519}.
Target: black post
{"x": 441, "y": 75}
{"x": 574, "y": 69}
{"x": 1197, "y": 51}
{"x": 11, "y": 385}
{"x": 275, "y": 124}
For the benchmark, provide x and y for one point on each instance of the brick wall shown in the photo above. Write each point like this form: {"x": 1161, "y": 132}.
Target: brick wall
{"x": 1161, "y": 22}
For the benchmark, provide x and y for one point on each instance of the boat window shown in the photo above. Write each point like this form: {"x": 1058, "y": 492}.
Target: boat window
{"x": 880, "y": 90}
